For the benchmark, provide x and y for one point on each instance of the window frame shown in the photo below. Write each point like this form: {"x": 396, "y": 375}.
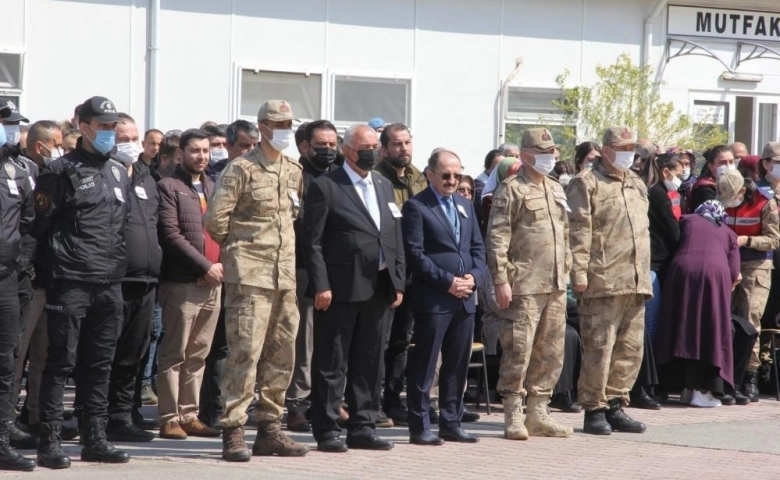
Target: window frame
{"x": 384, "y": 77}
{"x": 18, "y": 91}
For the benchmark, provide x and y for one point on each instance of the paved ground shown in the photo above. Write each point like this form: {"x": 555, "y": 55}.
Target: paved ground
{"x": 722, "y": 443}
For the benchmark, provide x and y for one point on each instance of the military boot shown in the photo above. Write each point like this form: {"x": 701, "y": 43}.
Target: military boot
{"x": 619, "y": 421}
{"x": 19, "y": 438}
{"x": 271, "y": 440}
{"x": 540, "y": 424}
{"x": 9, "y": 458}
{"x": 596, "y": 422}
{"x": 50, "y": 454}
{"x": 234, "y": 446}
{"x": 514, "y": 425}
{"x": 96, "y": 447}
{"x": 751, "y": 386}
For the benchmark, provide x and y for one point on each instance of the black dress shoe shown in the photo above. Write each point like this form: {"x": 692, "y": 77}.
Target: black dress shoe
{"x": 142, "y": 423}
{"x": 457, "y": 435}
{"x": 640, "y": 399}
{"x": 369, "y": 442}
{"x": 727, "y": 400}
{"x": 564, "y": 403}
{"x": 332, "y": 445}
{"x": 469, "y": 416}
{"x": 425, "y": 438}
{"x": 433, "y": 415}
{"x": 399, "y": 414}
{"x": 127, "y": 433}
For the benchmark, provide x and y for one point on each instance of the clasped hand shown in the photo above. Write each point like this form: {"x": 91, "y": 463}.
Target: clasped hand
{"x": 463, "y": 286}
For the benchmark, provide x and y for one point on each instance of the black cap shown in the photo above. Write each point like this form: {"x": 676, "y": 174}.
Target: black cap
{"x": 99, "y": 108}
{"x": 10, "y": 113}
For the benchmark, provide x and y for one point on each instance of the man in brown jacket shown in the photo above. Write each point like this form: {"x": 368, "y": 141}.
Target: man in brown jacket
{"x": 610, "y": 274}
{"x": 190, "y": 289}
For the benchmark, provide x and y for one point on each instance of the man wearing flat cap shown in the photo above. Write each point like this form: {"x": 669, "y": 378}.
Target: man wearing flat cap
{"x": 80, "y": 206}
{"x": 529, "y": 260}
{"x": 251, "y": 215}
{"x": 610, "y": 246}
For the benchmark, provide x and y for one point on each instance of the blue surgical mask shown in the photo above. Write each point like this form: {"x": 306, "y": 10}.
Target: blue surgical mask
{"x": 104, "y": 140}
{"x": 2, "y": 135}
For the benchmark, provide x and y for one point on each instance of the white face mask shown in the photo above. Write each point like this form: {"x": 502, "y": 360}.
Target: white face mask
{"x": 686, "y": 173}
{"x": 281, "y": 139}
{"x": 673, "y": 185}
{"x": 623, "y": 160}
{"x": 723, "y": 169}
{"x": 12, "y": 134}
{"x": 217, "y": 155}
{"x": 735, "y": 203}
{"x": 54, "y": 154}
{"x": 564, "y": 179}
{"x": 128, "y": 152}
{"x": 775, "y": 171}
{"x": 544, "y": 163}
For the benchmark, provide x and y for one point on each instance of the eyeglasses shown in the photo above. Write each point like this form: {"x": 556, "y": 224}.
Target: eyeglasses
{"x": 465, "y": 190}
{"x": 448, "y": 176}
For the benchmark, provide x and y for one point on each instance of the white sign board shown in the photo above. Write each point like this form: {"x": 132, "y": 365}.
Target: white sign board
{"x": 709, "y": 114}
{"x": 723, "y": 23}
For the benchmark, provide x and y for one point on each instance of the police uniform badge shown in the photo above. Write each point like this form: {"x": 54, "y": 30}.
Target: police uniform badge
{"x": 10, "y": 170}
{"x": 116, "y": 174}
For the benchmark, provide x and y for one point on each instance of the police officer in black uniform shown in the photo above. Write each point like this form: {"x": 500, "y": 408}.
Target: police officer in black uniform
{"x": 16, "y": 215}
{"x": 81, "y": 205}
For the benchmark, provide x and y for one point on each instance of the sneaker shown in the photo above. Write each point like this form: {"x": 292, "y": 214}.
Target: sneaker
{"x": 147, "y": 395}
{"x": 704, "y": 400}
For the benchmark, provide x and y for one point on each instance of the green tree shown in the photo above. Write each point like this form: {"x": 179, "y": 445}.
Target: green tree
{"x": 627, "y": 94}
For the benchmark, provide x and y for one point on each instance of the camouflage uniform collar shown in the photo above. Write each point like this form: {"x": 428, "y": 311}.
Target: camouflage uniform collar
{"x": 599, "y": 166}
{"x": 259, "y": 157}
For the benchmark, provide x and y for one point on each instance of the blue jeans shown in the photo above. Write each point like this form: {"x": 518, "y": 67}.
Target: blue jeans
{"x": 653, "y": 306}
{"x": 151, "y": 358}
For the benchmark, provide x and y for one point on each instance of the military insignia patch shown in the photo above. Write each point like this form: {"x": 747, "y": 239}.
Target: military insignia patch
{"x": 10, "y": 170}
{"x": 116, "y": 174}
{"x": 42, "y": 201}
{"x": 626, "y": 134}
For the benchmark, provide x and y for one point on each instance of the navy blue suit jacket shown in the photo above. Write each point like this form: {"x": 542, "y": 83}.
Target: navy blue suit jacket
{"x": 434, "y": 257}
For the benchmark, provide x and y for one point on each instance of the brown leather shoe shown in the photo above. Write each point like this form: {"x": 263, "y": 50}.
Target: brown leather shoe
{"x": 270, "y": 440}
{"x": 173, "y": 431}
{"x": 196, "y": 428}
{"x": 296, "y": 422}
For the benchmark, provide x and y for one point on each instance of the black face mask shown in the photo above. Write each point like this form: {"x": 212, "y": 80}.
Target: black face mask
{"x": 367, "y": 159}
{"x": 323, "y": 157}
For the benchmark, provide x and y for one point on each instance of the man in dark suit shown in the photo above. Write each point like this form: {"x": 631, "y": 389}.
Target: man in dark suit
{"x": 446, "y": 256}
{"x": 355, "y": 259}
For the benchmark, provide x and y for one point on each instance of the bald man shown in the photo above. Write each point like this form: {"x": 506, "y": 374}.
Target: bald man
{"x": 357, "y": 272}
{"x": 739, "y": 150}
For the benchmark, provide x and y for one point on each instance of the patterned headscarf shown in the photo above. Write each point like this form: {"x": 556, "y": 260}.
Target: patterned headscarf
{"x": 713, "y": 210}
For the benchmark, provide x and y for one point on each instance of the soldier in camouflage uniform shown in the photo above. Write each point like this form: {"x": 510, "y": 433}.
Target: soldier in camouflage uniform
{"x": 610, "y": 248}
{"x": 529, "y": 259}
{"x": 251, "y": 216}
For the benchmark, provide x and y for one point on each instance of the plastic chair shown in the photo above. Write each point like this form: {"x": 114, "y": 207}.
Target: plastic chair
{"x": 482, "y": 375}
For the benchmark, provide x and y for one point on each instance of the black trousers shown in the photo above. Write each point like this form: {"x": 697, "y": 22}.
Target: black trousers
{"x": 138, "y": 300}
{"x": 572, "y": 359}
{"x": 396, "y": 354}
{"x": 348, "y": 347}
{"x": 210, "y": 393}
{"x": 84, "y": 321}
{"x": 9, "y": 342}
{"x": 451, "y": 334}
{"x": 25, "y": 290}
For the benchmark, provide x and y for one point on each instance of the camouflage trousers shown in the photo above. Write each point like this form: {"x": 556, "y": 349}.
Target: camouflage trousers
{"x": 532, "y": 337}
{"x": 260, "y": 325}
{"x": 612, "y": 331}
{"x": 749, "y": 300}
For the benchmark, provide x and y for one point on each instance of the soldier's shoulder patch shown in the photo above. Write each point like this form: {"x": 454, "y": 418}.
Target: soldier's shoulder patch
{"x": 498, "y": 202}
{"x": 767, "y": 192}
{"x": 228, "y": 181}
{"x": 42, "y": 201}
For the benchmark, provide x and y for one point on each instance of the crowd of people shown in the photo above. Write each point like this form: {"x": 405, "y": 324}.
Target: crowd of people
{"x": 208, "y": 273}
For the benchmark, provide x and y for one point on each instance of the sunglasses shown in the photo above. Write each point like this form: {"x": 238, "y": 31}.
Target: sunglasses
{"x": 449, "y": 176}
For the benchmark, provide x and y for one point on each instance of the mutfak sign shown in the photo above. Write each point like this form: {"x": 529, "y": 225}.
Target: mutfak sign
{"x": 724, "y": 23}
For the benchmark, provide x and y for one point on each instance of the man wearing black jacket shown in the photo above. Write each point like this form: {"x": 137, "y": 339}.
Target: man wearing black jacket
{"x": 138, "y": 293}
{"x": 80, "y": 211}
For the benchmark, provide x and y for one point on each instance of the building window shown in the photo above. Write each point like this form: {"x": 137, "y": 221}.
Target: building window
{"x": 10, "y": 71}
{"x": 359, "y": 99}
{"x": 302, "y": 91}
{"x": 533, "y": 107}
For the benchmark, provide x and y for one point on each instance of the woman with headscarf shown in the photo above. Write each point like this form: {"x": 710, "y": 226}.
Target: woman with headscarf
{"x": 693, "y": 343}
